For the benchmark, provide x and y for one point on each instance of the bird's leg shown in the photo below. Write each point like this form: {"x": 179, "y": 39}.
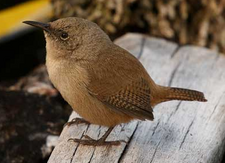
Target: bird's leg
{"x": 76, "y": 121}
{"x": 100, "y": 142}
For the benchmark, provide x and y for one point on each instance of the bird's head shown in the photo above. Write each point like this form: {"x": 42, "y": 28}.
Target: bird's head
{"x": 72, "y": 37}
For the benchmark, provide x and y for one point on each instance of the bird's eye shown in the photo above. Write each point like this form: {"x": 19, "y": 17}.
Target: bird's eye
{"x": 64, "y": 36}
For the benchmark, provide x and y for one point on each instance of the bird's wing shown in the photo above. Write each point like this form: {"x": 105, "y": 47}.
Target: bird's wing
{"x": 121, "y": 82}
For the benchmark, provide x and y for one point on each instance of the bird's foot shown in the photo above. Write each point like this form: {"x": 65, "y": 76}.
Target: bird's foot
{"x": 76, "y": 121}
{"x": 92, "y": 142}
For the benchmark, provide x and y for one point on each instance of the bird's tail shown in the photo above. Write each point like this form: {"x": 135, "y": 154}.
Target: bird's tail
{"x": 172, "y": 93}
{"x": 184, "y": 94}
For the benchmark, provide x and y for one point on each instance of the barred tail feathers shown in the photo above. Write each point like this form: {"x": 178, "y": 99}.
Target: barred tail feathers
{"x": 184, "y": 94}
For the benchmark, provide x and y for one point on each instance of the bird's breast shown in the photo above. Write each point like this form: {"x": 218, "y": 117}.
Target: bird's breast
{"x": 69, "y": 79}
{"x": 72, "y": 86}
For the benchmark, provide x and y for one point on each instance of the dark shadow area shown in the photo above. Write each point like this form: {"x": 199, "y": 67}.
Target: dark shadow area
{"x": 20, "y": 55}
{"x": 25, "y": 124}
{"x": 8, "y": 3}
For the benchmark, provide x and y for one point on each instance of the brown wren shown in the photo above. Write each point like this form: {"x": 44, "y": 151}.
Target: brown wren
{"x": 104, "y": 84}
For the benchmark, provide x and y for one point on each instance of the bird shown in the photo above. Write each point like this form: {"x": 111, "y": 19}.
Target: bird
{"x": 102, "y": 82}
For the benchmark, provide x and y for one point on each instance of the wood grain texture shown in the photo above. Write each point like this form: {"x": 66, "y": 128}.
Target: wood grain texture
{"x": 187, "y": 132}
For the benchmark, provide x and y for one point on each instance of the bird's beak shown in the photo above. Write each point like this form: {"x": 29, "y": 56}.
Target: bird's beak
{"x": 44, "y": 26}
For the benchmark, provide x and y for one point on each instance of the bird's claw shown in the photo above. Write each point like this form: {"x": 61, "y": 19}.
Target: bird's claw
{"x": 94, "y": 142}
{"x": 76, "y": 121}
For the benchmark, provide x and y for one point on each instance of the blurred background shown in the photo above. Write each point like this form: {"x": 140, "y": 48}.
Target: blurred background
{"x": 28, "y": 128}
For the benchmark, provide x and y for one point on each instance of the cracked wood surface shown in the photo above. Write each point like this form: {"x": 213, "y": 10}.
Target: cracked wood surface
{"x": 187, "y": 132}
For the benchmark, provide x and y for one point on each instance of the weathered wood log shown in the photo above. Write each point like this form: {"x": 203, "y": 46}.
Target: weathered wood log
{"x": 187, "y": 132}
